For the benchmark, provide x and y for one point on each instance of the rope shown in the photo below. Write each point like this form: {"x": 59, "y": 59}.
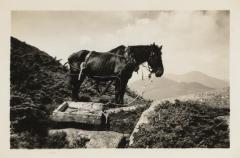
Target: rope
{"x": 81, "y": 69}
{"x": 106, "y": 116}
{"x": 141, "y": 94}
{"x": 143, "y": 91}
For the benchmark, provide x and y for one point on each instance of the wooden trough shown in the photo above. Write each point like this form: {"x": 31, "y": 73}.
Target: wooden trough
{"x": 80, "y": 112}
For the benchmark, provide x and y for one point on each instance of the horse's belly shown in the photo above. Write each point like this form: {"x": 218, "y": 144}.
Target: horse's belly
{"x": 101, "y": 69}
{"x": 105, "y": 66}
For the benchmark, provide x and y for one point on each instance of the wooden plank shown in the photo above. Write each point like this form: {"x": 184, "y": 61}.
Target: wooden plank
{"x": 81, "y": 112}
{"x": 91, "y": 106}
{"x": 83, "y": 119}
{"x": 62, "y": 107}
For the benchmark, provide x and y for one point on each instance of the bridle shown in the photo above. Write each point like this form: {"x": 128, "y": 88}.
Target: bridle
{"x": 151, "y": 57}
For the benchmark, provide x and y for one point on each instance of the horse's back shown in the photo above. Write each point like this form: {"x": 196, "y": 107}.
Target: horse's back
{"x": 78, "y": 56}
{"x": 118, "y": 50}
{"x": 104, "y": 63}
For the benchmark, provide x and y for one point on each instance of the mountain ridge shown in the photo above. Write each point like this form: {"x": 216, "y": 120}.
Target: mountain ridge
{"x": 200, "y": 77}
{"x": 167, "y": 87}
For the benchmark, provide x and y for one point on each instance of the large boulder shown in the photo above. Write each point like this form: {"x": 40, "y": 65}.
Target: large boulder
{"x": 207, "y": 114}
{"x": 95, "y": 139}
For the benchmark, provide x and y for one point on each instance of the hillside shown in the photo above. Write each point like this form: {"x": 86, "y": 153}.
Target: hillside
{"x": 38, "y": 84}
{"x": 193, "y": 121}
{"x": 162, "y": 88}
{"x": 196, "y": 76}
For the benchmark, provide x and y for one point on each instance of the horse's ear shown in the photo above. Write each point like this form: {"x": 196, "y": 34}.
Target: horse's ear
{"x": 160, "y": 47}
{"x": 153, "y": 43}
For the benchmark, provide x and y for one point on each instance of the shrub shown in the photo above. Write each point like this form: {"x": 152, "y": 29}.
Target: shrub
{"x": 56, "y": 140}
{"x": 184, "y": 125}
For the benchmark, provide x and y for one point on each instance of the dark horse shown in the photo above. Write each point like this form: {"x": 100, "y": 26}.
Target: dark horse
{"x": 118, "y": 64}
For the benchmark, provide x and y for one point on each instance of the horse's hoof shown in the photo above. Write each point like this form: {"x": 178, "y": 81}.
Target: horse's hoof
{"x": 75, "y": 100}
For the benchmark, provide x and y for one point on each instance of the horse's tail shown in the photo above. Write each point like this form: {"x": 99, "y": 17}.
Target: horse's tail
{"x": 65, "y": 64}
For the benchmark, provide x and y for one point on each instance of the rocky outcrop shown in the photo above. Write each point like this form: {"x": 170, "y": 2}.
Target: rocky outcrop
{"x": 206, "y": 115}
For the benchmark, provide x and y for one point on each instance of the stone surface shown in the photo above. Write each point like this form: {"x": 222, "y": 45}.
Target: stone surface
{"x": 124, "y": 109}
{"x": 81, "y": 112}
{"x": 97, "y": 139}
{"x": 224, "y": 119}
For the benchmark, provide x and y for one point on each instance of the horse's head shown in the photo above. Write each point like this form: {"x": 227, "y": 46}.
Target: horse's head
{"x": 155, "y": 60}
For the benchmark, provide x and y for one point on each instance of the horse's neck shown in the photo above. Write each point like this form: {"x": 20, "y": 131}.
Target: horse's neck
{"x": 141, "y": 54}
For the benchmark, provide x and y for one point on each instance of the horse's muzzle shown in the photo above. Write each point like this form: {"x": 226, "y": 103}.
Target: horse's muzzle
{"x": 159, "y": 73}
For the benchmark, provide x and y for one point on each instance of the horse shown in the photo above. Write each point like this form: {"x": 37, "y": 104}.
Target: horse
{"x": 117, "y": 64}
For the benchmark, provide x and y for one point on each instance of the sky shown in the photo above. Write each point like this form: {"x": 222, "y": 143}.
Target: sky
{"x": 192, "y": 40}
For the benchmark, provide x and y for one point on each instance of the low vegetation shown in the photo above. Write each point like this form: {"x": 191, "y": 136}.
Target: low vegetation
{"x": 38, "y": 84}
{"x": 185, "y": 124}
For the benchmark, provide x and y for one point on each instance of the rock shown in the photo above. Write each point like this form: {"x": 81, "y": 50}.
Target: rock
{"x": 104, "y": 99}
{"x": 109, "y": 112}
{"x": 125, "y": 109}
{"x": 144, "y": 119}
{"x": 97, "y": 139}
{"x": 223, "y": 119}
{"x": 85, "y": 98}
{"x": 214, "y": 99}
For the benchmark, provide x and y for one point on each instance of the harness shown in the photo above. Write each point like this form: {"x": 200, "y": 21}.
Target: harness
{"x": 149, "y": 69}
{"x": 83, "y": 65}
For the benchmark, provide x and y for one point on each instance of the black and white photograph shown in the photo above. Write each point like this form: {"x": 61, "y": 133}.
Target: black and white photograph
{"x": 119, "y": 79}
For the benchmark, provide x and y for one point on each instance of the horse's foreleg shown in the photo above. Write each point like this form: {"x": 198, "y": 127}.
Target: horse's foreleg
{"x": 75, "y": 90}
{"x": 122, "y": 91}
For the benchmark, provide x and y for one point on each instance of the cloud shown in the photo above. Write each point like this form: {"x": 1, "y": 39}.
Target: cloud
{"x": 192, "y": 40}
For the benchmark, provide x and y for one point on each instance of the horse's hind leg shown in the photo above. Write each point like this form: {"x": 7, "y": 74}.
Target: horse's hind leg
{"x": 117, "y": 91}
{"x": 75, "y": 90}
{"x": 73, "y": 81}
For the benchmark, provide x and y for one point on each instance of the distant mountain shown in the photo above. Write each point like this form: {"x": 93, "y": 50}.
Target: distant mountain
{"x": 196, "y": 76}
{"x": 162, "y": 88}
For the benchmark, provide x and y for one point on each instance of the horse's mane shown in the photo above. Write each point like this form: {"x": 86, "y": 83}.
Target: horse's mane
{"x": 121, "y": 49}
{"x": 140, "y": 46}
{"x": 114, "y": 50}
